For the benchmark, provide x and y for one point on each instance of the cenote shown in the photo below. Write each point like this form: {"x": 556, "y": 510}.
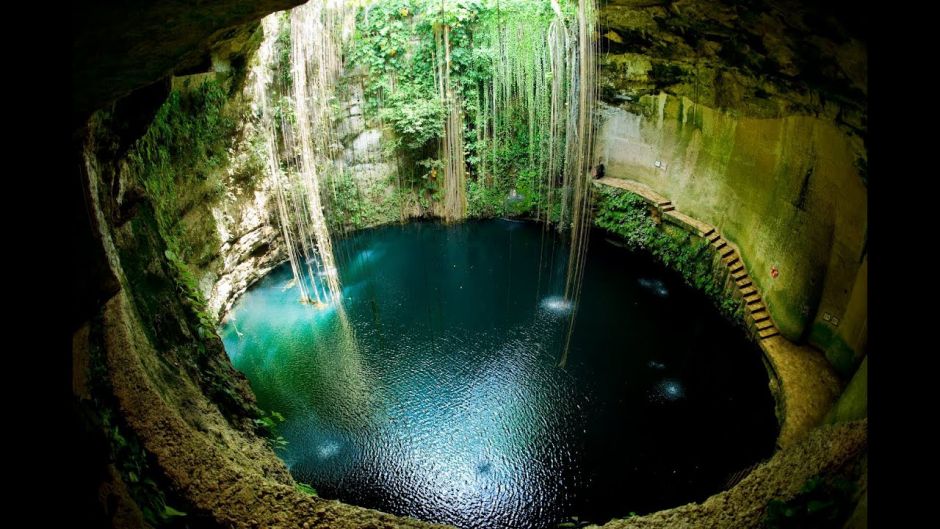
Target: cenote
{"x": 436, "y": 387}
{"x": 522, "y": 264}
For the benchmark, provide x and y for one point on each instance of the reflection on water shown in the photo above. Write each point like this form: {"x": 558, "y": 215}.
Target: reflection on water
{"x": 667, "y": 390}
{"x": 557, "y": 305}
{"x": 434, "y": 391}
{"x": 655, "y": 286}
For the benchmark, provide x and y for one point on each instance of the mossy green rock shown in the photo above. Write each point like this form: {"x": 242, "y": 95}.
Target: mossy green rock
{"x": 786, "y": 190}
{"x": 853, "y": 404}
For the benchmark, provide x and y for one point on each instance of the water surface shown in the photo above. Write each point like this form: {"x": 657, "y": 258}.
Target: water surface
{"x": 437, "y": 392}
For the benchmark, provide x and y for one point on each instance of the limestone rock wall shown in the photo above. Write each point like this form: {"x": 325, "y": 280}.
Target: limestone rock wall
{"x": 252, "y": 244}
{"x": 359, "y": 192}
{"x": 785, "y": 190}
{"x": 364, "y": 190}
{"x": 367, "y": 187}
{"x": 752, "y": 118}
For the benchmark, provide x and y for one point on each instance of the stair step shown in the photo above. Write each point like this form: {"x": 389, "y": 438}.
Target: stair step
{"x": 726, "y": 251}
{"x": 751, "y": 299}
{"x": 760, "y": 316}
{"x": 668, "y": 208}
{"x": 747, "y": 291}
{"x": 714, "y": 236}
{"x": 709, "y": 233}
{"x": 764, "y": 324}
{"x": 737, "y": 267}
{"x": 755, "y": 308}
{"x": 663, "y": 202}
{"x": 730, "y": 260}
{"x": 740, "y": 273}
{"x": 767, "y": 333}
{"x": 744, "y": 282}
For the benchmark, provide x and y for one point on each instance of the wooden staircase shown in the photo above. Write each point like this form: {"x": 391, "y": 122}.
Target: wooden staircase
{"x": 755, "y": 313}
{"x": 756, "y": 317}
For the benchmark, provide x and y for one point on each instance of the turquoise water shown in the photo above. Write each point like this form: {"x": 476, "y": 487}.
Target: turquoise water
{"x": 436, "y": 392}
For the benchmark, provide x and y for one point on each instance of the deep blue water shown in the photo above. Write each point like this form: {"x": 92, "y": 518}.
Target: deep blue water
{"x": 436, "y": 392}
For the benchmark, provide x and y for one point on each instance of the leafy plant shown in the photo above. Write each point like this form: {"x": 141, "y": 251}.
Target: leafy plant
{"x": 485, "y": 202}
{"x": 356, "y": 205}
{"x": 192, "y": 296}
{"x": 130, "y": 459}
{"x": 416, "y": 116}
{"x": 628, "y": 215}
{"x": 268, "y": 424}
{"x": 495, "y": 49}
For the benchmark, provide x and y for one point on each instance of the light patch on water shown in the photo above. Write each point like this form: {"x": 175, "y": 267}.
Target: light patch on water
{"x": 556, "y": 305}
{"x": 656, "y": 365}
{"x": 464, "y": 453}
{"x": 328, "y": 449}
{"x": 668, "y": 390}
{"x": 655, "y": 286}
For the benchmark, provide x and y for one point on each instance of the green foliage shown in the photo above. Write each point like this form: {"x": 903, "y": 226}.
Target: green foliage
{"x": 353, "y": 205}
{"x": 192, "y": 296}
{"x": 485, "y": 202}
{"x": 821, "y": 503}
{"x": 268, "y": 424}
{"x": 283, "y": 50}
{"x": 170, "y": 512}
{"x": 179, "y": 162}
{"x": 628, "y": 215}
{"x": 130, "y": 459}
{"x": 396, "y": 45}
{"x": 126, "y": 452}
{"x": 416, "y": 116}
{"x": 306, "y": 489}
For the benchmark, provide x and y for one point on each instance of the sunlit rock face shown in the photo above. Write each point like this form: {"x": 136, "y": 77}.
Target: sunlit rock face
{"x": 251, "y": 246}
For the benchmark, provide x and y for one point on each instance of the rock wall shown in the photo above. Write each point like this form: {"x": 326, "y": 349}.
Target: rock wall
{"x": 118, "y": 47}
{"x": 252, "y": 244}
{"x": 752, "y": 119}
{"x": 361, "y": 191}
{"x": 241, "y": 224}
{"x": 785, "y": 190}
{"x": 364, "y": 190}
